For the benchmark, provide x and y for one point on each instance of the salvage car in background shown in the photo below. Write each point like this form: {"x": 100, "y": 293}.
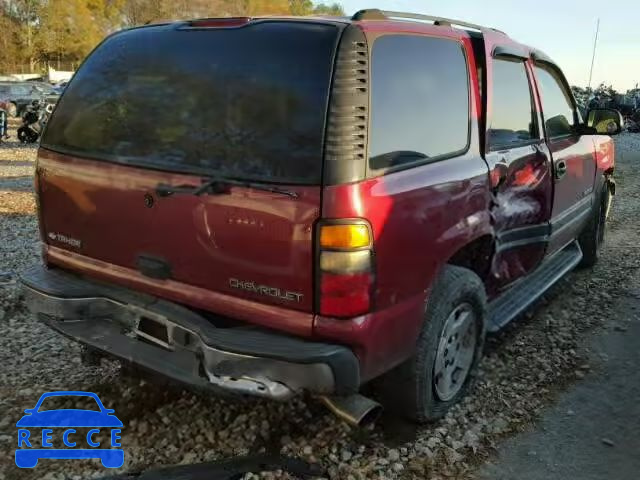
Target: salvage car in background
{"x": 22, "y": 94}
{"x": 334, "y": 201}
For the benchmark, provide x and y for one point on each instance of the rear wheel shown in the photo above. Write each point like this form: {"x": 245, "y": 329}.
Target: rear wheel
{"x": 448, "y": 349}
{"x": 593, "y": 236}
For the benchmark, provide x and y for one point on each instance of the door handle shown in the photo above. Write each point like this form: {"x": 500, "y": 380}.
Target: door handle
{"x": 561, "y": 169}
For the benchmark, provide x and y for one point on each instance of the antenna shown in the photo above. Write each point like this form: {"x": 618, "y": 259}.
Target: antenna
{"x": 593, "y": 57}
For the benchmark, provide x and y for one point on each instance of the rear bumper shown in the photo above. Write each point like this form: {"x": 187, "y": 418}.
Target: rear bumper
{"x": 176, "y": 342}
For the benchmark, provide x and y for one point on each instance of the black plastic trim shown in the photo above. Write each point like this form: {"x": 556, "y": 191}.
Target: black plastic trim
{"x": 346, "y": 135}
{"x": 540, "y": 56}
{"x": 513, "y": 51}
{"x": 55, "y": 285}
{"x": 522, "y": 236}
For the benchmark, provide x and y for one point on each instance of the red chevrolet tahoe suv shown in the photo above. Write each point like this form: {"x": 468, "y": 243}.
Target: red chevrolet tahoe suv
{"x": 331, "y": 201}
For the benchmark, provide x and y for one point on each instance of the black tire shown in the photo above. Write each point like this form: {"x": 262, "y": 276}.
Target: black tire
{"x": 593, "y": 236}
{"x": 26, "y": 135}
{"x": 410, "y": 389}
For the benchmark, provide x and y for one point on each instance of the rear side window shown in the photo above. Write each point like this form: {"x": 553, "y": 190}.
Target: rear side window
{"x": 512, "y": 115}
{"x": 419, "y": 101}
{"x": 247, "y": 102}
{"x": 557, "y": 107}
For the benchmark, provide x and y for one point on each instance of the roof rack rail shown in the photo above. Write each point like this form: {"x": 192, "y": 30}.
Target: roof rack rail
{"x": 377, "y": 14}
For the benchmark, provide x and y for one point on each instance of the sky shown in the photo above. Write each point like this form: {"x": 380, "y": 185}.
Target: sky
{"x": 563, "y": 29}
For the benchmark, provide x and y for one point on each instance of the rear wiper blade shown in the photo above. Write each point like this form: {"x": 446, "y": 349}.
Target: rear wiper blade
{"x": 217, "y": 184}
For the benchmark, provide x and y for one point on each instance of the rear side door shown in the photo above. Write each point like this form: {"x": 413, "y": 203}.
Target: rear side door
{"x": 572, "y": 153}
{"x": 520, "y": 168}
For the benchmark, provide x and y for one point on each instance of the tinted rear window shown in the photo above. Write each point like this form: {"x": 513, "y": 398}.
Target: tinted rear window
{"x": 244, "y": 102}
{"x": 419, "y": 100}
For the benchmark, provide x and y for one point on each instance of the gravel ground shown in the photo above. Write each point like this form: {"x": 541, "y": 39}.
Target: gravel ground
{"x": 525, "y": 368}
{"x": 591, "y": 432}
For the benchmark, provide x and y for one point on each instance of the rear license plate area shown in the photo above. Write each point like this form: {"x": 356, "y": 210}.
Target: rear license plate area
{"x": 153, "y": 331}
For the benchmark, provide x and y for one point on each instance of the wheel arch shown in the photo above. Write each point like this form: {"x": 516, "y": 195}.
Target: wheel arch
{"x": 475, "y": 255}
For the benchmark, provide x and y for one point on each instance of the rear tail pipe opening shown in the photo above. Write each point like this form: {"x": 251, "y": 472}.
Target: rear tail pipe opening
{"x": 356, "y": 409}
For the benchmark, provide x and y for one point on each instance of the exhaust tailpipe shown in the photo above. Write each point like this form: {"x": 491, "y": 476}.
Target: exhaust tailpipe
{"x": 354, "y": 409}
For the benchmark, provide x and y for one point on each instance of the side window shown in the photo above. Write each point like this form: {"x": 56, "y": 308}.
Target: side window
{"x": 557, "y": 108}
{"x": 512, "y": 115}
{"x": 419, "y": 100}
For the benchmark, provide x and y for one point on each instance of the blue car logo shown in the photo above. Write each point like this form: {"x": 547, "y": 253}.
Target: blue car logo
{"x": 32, "y": 448}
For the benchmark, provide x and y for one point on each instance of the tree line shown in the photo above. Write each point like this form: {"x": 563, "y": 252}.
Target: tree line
{"x": 37, "y": 34}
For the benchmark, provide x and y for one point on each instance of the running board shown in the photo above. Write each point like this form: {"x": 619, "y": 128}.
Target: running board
{"x": 514, "y": 301}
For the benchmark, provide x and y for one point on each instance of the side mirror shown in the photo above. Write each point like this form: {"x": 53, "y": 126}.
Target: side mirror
{"x": 605, "y": 121}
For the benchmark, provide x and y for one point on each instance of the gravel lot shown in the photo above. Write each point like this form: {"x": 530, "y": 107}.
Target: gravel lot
{"x": 525, "y": 368}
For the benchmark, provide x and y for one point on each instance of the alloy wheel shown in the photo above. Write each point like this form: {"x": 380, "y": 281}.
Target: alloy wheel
{"x": 456, "y": 351}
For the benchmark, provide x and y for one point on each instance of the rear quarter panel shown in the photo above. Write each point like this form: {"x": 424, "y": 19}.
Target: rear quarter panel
{"x": 419, "y": 217}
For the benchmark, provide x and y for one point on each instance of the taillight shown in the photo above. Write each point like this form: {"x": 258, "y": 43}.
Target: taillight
{"x": 346, "y": 272}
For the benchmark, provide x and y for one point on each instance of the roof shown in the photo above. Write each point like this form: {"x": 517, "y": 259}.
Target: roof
{"x": 378, "y": 20}
{"x": 366, "y": 15}
{"x": 377, "y": 14}
{"x": 498, "y": 36}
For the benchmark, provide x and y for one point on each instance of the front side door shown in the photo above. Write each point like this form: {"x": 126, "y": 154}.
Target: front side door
{"x": 520, "y": 171}
{"x": 573, "y": 155}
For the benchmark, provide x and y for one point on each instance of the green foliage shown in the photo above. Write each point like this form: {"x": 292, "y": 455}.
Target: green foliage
{"x": 37, "y": 33}
{"x": 301, "y": 7}
{"x": 9, "y": 39}
{"x": 605, "y": 92}
{"x": 333, "y": 9}
{"x": 603, "y": 95}
{"x": 581, "y": 95}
